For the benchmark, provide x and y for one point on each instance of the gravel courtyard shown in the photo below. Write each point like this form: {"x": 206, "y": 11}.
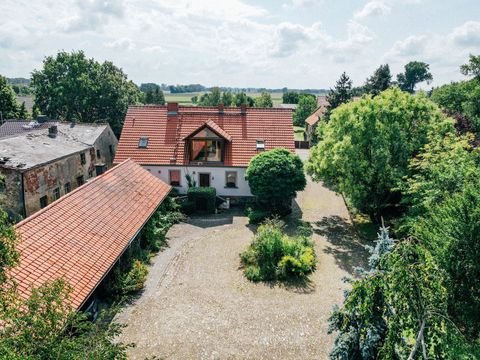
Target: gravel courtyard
{"x": 198, "y": 305}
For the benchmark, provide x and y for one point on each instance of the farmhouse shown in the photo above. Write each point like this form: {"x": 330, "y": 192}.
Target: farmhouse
{"x": 81, "y": 236}
{"x": 211, "y": 146}
{"x": 39, "y": 166}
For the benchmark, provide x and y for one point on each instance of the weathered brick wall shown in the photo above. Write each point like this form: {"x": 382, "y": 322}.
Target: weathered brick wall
{"x": 45, "y": 179}
{"x": 103, "y": 144}
{"x": 11, "y": 199}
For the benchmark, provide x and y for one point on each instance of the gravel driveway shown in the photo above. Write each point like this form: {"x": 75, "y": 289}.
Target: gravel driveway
{"x": 198, "y": 305}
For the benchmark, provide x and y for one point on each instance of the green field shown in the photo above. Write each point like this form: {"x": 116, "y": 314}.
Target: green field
{"x": 186, "y": 98}
{"x": 299, "y": 131}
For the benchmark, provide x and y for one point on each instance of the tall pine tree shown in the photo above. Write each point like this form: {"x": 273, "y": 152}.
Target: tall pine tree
{"x": 340, "y": 94}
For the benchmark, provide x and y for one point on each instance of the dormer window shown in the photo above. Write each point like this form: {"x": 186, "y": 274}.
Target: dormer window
{"x": 260, "y": 145}
{"x": 143, "y": 142}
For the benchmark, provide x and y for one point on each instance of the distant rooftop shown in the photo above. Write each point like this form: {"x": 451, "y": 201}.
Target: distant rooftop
{"x": 287, "y": 106}
{"x": 17, "y": 127}
{"x": 36, "y": 147}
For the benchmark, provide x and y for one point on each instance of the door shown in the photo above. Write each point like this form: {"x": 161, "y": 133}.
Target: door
{"x": 204, "y": 179}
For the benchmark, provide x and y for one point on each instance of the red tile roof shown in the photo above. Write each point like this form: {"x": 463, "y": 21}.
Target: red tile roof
{"x": 213, "y": 126}
{"x": 80, "y": 236}
{"x": 316, "y": 115}
{"x": 166, "y": 133}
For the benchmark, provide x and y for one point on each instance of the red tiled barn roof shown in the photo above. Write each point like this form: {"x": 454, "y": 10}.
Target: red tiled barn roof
{"x": 165, "y": 133}
{"x": 80, "y": 236}
{"x": 316, "y": 115}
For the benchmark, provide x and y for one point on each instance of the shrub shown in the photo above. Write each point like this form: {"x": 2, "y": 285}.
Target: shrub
{"x": 203, "y": 197}
{"x": 256, "y": 216}
{"x": 273, "y": 255}
{"x": 188, "y": 207}
{"x": 135, "y": 278}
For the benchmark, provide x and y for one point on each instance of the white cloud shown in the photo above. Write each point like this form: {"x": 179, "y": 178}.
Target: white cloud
{"x": 467, "y": 34}
{"x": 411, "y": 46}
{"x": 296, "y": 4}
{"x": 372, "y": 8}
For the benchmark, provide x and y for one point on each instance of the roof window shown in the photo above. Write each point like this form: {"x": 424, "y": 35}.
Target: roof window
{"x": 260, "y": 145}
{"x": 143, "y": 142}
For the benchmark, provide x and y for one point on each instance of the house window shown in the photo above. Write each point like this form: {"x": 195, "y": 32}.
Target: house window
{"x": 231, "y": 179}
{"x": 206, "y": 150}
{"x": 260, "y": 145}
{"x": 43, "y": 201}
{"x": 80, "y": 180}
{"x": 83, "y": 159}
{"x": 143, "y": 142}
{"x": 56, "y": 194}
{"x": 98, "y": 153}
{"x": 67, "y": 187}
{"x": 175, "y": 177}
{"x": 110, "y": 148}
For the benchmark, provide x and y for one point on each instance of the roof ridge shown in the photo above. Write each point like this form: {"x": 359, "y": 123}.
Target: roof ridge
{"x": 71, "y": 193}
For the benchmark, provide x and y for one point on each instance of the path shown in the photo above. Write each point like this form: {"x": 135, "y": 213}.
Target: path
{"x": 198, "y": 305}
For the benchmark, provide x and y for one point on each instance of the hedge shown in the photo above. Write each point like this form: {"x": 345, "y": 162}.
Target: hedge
{"x": 203, "y": 196}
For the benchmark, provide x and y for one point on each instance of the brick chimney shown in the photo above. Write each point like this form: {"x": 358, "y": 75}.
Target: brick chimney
{"x": 221, "y": 108}
{"x": 243, "y": 108}
{"x": 172, "y": 108}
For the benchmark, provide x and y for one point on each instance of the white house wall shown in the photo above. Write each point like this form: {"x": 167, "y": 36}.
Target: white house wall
{"x": 217, "y": 178}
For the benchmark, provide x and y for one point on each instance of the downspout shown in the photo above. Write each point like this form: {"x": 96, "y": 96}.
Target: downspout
{"x": 23, "y": 197}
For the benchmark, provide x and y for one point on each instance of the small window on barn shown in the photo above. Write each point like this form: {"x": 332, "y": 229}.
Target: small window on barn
{"x": 110, "y": 148}
{"x": 80, "y": 180}
{"x": 175, "y": 177}
{"x": 67, "y": 188}
{"x": 143, "y": 142}
{"x": 98, "y": 153}
{"x": 260, "y": 145}
{"x": 43, "y": 201}
{"x": 83, "y": 159}
{"x": 56, "y": 194}
{"x": 231, "y": 179}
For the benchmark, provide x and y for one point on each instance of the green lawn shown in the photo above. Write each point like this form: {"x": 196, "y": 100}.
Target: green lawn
{"x": 299, "y": 131}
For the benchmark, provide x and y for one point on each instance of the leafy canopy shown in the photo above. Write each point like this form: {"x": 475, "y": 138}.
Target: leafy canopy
{"x": 72, "y": 87}
{"x": 307, "y": 104}
{"x": 415, "y": 72}
{"x": 8, "y": 102}
{"x": 380, "y": 80}
{"x": 275, "y": 175}
{"x": 472, "y": 68}
{"x": 366, "y": 146}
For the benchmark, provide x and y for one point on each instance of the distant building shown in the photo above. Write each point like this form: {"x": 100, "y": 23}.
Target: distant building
{"x": 211, "y": 145}
{"x": 81, "y": 236}
{"x": 287, "y": 106}
{"x": 16, "y": 127}
{"x": 40, "y": 166}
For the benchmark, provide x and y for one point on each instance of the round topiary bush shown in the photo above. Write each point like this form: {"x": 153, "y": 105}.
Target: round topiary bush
{"x": 274, "y": 177}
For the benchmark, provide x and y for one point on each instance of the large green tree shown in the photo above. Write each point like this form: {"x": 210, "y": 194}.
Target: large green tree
{"x": 274, "y": 177}
{"x": 8, "y": 102}
{"x": 472, "y": 68}
{"x": 72, "y": 87}
{"x": 462, "y": 99}
{"x": 305, "y": 107}
{"x": 380, "y": 80}
{"x": 155, "y": 96}
{"x": 264, "y": 100}
{"x": 366, "y": 146}
{"x": 415, "y": 72}
{"x": 340, "y": 94}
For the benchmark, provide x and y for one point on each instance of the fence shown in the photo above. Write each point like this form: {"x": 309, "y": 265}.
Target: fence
{"x": 302, "y": 145}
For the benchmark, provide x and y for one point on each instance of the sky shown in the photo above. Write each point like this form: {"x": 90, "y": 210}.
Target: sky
{"x": 244, "y": 43}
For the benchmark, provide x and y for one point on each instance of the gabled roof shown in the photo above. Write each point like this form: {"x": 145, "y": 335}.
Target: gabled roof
{"x": 316, "y": 115}
{"x": 35, "y": 147}
{"x": 80, "y": 236}
{"x": 166, "y": 133}
{"x": 212, "y": 126}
